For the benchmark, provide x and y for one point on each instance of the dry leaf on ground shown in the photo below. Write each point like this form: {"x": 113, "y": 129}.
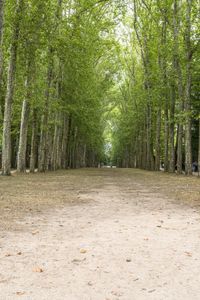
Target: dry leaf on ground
{"x": 38, "y": 270}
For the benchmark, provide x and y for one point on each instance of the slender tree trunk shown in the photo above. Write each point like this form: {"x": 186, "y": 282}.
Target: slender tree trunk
{"x": 140, "y": 153}
{"x": 178, "y": 73}
{"x": 164, "y": 88}
{"x": 150, "y": 162}
{"x": 179, "y": 149}
{"x": 55, "y": 157}
{"x": 171, "y": 132}
{"x": 42, "y": 159}
{"x": 199, "y": 151}
{"x": 1, "y": 55}
{"x": 144, "y": 159}
{"x": 1, "y": 36}
{"x": 74, "y": 147}
{"x": 65, "y": 141}
{"x": 6, "y": 143}
{"x": 84, "y": 156}
{"x": 21, "y": 158}
{"x": 48, "y": 151}
{"x": 59, "y": 148}
{"x": 33, "y": 142}
{"x": 188, "y": 138}
{"x": 166, "y": 138}
{"x": 157, "y": 146}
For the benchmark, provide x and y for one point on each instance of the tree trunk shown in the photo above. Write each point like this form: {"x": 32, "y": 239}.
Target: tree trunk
{"x": 178, "y": 75}
{"x": 199, "y": 151}
{"x": 84, "y": 156}
{"x": 179, "y": 149}
{"x": 150, "y": 162}
{"x": 1, "y": 36}
{"x": 166, "y": 138}
{"x": 188, "y": 139}
{"x": 74, "y": 147}
{"x": 171, "y": 132}
{"x": 157, "y": 146}
{"x": 65, "y": 139}
{"x": 1, "y": 55}
{"x": 42, "y": 159}
{"x": 21, "y": 158}
{"x": 144, "y": 158}
{"x": 33, "y": 142}
{"x": 55, "y": 157}
{"x": 6, "y": 143}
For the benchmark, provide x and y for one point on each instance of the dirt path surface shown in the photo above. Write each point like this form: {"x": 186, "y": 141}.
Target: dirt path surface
{"x": 100, "y": 235}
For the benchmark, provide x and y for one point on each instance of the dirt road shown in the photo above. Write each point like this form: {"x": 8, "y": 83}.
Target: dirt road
{"x": 100, "y": 235}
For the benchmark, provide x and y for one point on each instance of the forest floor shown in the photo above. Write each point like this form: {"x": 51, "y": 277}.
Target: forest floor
{"x": 100, "y": 234}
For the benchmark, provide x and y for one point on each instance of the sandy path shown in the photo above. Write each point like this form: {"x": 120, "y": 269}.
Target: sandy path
{"x": 138, "y": 244}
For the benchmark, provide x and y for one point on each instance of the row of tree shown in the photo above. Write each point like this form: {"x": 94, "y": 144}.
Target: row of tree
{"x": 158, "y": 117}
{"x": 54, "y": 75}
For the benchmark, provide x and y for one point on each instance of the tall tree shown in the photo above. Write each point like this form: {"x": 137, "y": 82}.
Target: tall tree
{"x": 6, "y": 143}
{"x": 1, "y": 53}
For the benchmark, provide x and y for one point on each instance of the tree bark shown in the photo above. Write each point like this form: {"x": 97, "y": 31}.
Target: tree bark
{"x": 21, "y": 158}
{"x": 33, "y": 142}
{"x": 6, "y": 143}
{"x": 157, "y": 145}
{"x": 171, "y": 132}
{"x": 188, "y": 139}
{"x": 166, "y": 137}
{"x": 199, "y": 150}
{"x": 42, "y": 159}
{"x": 65, "y": 139}
{"x": 178, "y": 75}
{"x": 1, "y": 54}
{"x": 55, "y": 157}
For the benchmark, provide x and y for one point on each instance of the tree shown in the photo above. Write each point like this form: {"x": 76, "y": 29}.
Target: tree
{"x": 6, "y": 143}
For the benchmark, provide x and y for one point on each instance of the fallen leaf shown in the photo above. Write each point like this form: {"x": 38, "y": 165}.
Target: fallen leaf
{"x": 77, "y": 260}
{"x": 8, "y": 254}
{"x": 82, "y": 251}
{"x": 115, "y": 293}
{"x": 20, "y": 293}
{"x": 151, "y": 291}
{"x": 3, "y": 280}
{"x": 35, "y": 232}
{"x": 188, "y": 253}
{"x": 38, "y": 270}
